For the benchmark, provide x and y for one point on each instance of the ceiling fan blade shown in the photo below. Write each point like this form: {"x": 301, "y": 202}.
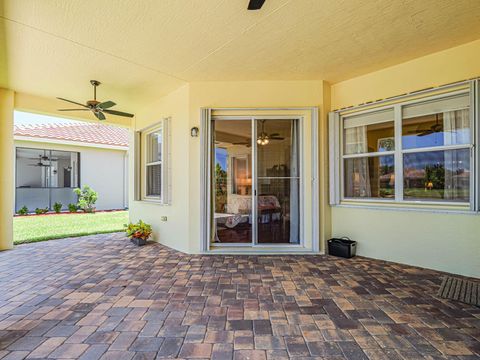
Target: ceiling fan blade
{"x": 106, "y": 104}
{"x": 119, "y": 113}
{"x": 255, "y": 4}
{"x": 73, "y": 109}
{"x": 274, "y": 135}
{"x": 425, "y": 133}
{"x": 276, "y": 138}
{"x": 99, "y": 115}
{"x": 73, "y": 102}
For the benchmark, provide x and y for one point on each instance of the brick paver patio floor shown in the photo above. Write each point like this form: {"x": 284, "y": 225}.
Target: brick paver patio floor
{"x": 101, "y": 297}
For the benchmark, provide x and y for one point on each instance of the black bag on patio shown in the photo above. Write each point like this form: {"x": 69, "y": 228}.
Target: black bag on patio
{"x": 343, "y": 247}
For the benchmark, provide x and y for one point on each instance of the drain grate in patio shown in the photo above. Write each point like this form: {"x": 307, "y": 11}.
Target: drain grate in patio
{"x": 462, "y": 290}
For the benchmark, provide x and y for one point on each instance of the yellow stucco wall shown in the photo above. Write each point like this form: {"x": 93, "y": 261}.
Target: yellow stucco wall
{"x": 175, "y": 231}
{"x": 448, "y": 242}
{"x": 443, "y": 241}
{"x": 182, "y": 230}
{"x": 444, "y": 67}
{"x": 246, "y": 94}
{"x": 10, "y": 101}
{"x": 6, "y": 166}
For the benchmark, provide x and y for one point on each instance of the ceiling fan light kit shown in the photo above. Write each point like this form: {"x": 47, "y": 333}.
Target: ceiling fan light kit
{"x": 264, "y": 138}
{"x": 96, "y": 107}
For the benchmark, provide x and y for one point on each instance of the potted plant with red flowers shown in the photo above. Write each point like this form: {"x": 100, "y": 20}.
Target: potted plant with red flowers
{"x": 138, "y": 233}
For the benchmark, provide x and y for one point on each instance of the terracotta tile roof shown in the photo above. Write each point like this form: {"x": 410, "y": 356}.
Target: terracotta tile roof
{"x": 76, "y": 131}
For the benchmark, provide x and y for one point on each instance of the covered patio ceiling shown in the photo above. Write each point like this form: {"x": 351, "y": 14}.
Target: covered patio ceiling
{"x": 144, "y": 49}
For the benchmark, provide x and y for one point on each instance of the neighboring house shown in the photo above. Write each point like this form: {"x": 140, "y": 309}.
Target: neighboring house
{"x": 54, "y": 158}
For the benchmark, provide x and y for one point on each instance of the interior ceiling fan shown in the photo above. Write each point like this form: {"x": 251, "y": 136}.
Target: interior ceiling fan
{"x": 41, "y": 159}
{"x": 435, "y": 128}
{"x": 255, "y": 4}
{"x": 264, "y": 138}
{"x": 247, "y": 143}
{"x": 96, "y": 107}
{"x": 39, "y": 164}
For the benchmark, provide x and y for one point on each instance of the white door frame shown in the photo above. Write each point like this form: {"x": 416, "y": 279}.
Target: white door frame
{"x": 206, "y": 163}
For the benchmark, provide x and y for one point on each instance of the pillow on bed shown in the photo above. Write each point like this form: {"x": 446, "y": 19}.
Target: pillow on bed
{"x": 242, "y": 204}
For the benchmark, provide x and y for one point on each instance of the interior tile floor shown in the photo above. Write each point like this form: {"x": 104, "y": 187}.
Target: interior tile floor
{"x": 101, "y": 297}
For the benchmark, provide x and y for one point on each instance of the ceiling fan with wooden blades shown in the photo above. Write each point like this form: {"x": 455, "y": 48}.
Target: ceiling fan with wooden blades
{"x": 99, "y": 109}
{"x": 247, "y": 143}
{"x": 255, "y": 4}
{"x": 435, "y": 128}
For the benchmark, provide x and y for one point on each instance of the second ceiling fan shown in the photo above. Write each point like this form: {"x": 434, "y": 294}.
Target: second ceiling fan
{"x": 96, "y": 107}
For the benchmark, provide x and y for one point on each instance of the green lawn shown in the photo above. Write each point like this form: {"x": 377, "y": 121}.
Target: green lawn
{"x": 28, "y": 229}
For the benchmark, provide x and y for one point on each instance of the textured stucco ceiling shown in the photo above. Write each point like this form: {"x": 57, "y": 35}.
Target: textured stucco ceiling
{"x": 144, "y": 49}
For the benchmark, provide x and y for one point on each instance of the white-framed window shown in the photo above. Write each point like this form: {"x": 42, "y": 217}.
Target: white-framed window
{"x": 417, "y": 151}
{"x": 153, "y": 170}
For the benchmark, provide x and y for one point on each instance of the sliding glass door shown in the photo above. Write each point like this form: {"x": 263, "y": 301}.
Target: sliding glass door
{"x": 232, "y": 181}
{"x": 277, "y": 181}
{"x": 255, "y": 179}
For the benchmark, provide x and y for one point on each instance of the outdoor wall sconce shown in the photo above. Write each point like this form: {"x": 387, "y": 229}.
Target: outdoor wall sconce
{"x": 194, "y": 131}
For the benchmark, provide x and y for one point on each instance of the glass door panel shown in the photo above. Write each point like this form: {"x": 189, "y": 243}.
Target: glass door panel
{"x": 232, "y": 181}
{"x": 278, "y": 181}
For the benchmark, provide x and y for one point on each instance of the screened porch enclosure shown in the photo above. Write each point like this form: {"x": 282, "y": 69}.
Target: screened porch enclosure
{"x": 44, "y": 177}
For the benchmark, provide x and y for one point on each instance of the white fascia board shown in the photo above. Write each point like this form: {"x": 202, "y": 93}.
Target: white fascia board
{"x": 69, "y": 142}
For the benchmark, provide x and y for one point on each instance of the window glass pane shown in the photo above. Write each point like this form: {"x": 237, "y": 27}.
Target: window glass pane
{"x": 278, "y": 211}
{"x": 63, "y": 169}
{"x": 32, "y": 168}
{"x": 370, "y": 177}
{"x": 450, "y": 103}
{"x": 32, "y": 198}
{"x": 241, "y": 177}
{"x": 155, "y": 146}
{"x": 232, "y": 181}
{"x": 63, "y": 195}
{"x": 437, "y": 175}
{"x": 154, "y": 180}
{"x": 370, "y": 118}
{"x": 277, "y": 148}
{"x": 369, "y": 138}
{"x": 440, "y": 129}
